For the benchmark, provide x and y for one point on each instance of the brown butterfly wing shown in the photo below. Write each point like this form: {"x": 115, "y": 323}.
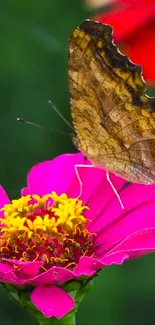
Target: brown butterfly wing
{"x": 113, "y": 118}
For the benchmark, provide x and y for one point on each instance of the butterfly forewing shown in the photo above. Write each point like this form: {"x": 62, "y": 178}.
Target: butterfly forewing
{"x": 113, "y": 118}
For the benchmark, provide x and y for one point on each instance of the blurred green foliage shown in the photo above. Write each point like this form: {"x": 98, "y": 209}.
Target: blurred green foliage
{"x": 33, "y": 69}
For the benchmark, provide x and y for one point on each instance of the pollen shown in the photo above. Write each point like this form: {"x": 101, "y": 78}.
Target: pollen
{"x": 51, "y": 228}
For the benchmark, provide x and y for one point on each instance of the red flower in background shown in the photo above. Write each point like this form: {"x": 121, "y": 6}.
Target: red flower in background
{"x": 134, "y": 29}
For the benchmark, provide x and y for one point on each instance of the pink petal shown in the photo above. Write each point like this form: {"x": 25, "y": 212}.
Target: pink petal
{"x": 11, "y": 278}
{"x": 55, "y": 274}
{"x": 90, "y": 177}
{"x": 55, "y": 175}
{"x": 139, "y": 201}
{"x": 100, "y": 199}
{"x": 25, "y": 191}
{"x": 115, "y": 258}
{"x": 29, "y": 269}
{"x": 6, "y": 268}
{"x": 87, "y": 266}
{"x": 52, "y": 301}
{"x": 137, "y": 244}
{"x": 3, "y": 200}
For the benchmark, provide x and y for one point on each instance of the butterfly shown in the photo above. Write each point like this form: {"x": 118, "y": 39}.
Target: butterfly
{"x": 113, "y": 118}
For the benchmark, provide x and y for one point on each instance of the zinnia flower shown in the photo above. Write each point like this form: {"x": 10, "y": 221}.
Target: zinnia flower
{"x": 50, "y": 238}
{"x": 134, "y": 30}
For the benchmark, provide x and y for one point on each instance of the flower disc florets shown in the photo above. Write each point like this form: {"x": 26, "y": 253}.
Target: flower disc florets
{"x": 51, "y": 229}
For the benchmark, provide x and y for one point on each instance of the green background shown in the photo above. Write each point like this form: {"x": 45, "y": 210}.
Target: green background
{"x": 33, "y": 69}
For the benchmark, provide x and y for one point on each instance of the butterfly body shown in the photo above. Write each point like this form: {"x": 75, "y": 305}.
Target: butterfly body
{"x": 113, "y": 118}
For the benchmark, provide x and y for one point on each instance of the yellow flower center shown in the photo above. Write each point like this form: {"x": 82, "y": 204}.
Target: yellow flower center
{"x": 51, "y": 229}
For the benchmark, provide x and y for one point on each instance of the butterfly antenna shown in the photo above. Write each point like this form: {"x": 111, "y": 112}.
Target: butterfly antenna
{"x": 42, "y": 126}
{"x": 57, "y": 111}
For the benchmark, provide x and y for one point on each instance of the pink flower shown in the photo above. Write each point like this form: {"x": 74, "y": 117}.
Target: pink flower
{"x": 49, "y": 237}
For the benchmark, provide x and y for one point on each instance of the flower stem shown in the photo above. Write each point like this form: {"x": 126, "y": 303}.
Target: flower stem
{"x": 67, "y": 320}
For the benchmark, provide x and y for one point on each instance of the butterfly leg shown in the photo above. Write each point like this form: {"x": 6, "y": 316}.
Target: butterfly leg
{"x": 108, "y": 179}
{"x": 78, "y": 176}
{"x": 115, "y": 191}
